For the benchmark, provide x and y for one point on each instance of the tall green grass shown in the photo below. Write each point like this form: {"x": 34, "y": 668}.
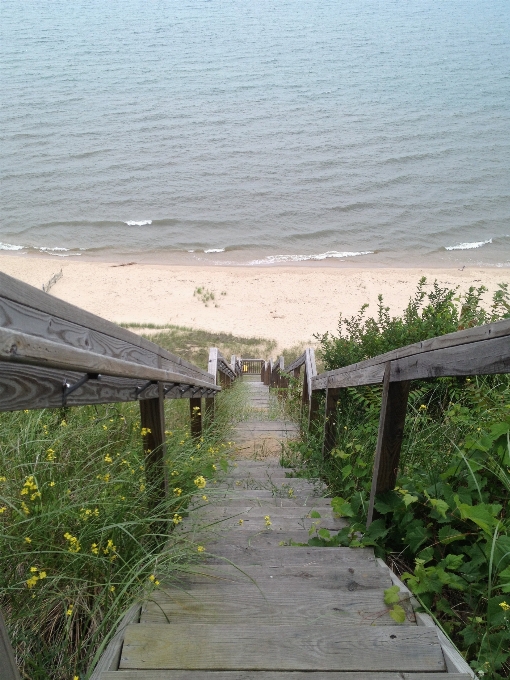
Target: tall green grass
{"x": 77, "y": 542}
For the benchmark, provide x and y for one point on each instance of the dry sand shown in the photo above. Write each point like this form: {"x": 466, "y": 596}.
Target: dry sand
{"x": 288, "y": 304}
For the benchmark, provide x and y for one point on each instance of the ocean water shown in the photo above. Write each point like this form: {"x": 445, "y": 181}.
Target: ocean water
{"x": 344, "y": 132}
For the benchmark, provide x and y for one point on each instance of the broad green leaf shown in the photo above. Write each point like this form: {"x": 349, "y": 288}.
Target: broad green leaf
{"x": 408, "y": 499}
{"x": 392, "y": 595}
{"x": 483, "y": 515}
{"x": 453, "y": 562}
{"x": 342, "y": 507}
{"x": 346, "y": 471}
{"x": 324, "y": 533}
{"x": 314, "y": 514}
{"x": 448, "y": 534}
{"x": 398, "y": 614}
{"x": 439, "y": 505}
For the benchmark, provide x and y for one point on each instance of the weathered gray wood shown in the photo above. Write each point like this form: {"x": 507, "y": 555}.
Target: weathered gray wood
{"x": 291, "y": 556}
{"x": 212, "y": 365}
{"x": 330, "y": 424}
{"x": 499, "y": 329}
{"x": 19, "y": 347}
{"x": 282, "y": 603}
{"x": 33, "y": 303}
{"x": 298, "y": 500}
{"x": 477, "y": 358}
{"x": 348, "y": 576}
{"x": 109, "y": 659}
{"x": 23, "y": 386}
{"x": 389, "y": 438}
{"x": 265, "y": 647}
{"x": 195, "y": 408}
{"x": 276, "y": 675}
{"x": 8, "y": 667}
{"x": 152, "y": 418}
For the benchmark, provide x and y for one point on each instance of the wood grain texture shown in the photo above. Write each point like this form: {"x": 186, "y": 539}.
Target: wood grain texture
{"x": 348, "y": 576}
{"x": 23, "y": 386}
{"x": 285, "y": 556}
{"x": 276, "y": 675}
{"x": 29, "y": 297}
{"x": 281, "y": 603}
{"x": 110, "y": 658}
{"x": 499, "y": 329}
{"x": 23, "y": 348}
{"x": 152, "y": 420}
{"x": 195, "y": 410}
{"x": 264, "y": 647}
{"x": 389, "y": 437}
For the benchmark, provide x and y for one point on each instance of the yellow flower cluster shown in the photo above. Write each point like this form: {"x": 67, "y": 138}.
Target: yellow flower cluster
{"x": 177, "y": 519}
{"x": 70, "y": 609}
{"x": 200, "y": 548}
{"x": 204, "y": 497}
{"x": 267, "y": 520}
{"x": 174, "y": 473}
{"x": 86, "y": 513}
{"x": 37, "y": 575}
{"x": 177, "y": 491}
{"x": 3, "y": 508}
{"x": 153, "y": 579}
{"x": 504, "y": 606}
{"x": 108, "y": 459}
{"x": 200, "y": 482}
{"x": 74, "y": 544}
{"x": 94, "y": 549}
{"x": 50, "y": 454}
{"x": 3, "y": 478}
{"x": 104, "y": 478}
{"x": 145, "y": 431}
{"x": 110, "y": 550}
{"x": 30, "y": 488}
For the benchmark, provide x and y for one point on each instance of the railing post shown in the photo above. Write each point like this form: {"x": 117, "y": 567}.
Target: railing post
{"x": 195, "y": 409}
{"x": 8, "y": 668}
{"x": 152, "y": 417}
{"x": 389, "y": 437}
{"x": 328, "y": 443}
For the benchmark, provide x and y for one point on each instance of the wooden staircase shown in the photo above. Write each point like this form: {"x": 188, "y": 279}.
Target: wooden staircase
{"x": 261, "y": 609}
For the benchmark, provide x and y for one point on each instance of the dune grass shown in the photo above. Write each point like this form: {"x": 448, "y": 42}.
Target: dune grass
{"x": 77, "y": 543}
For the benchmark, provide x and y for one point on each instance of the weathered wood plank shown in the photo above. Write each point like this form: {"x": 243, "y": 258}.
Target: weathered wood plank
{"x": 265, "y": 647}
{"x": 342, "y": 575}
{"x": 228, "y": 526}
{"x": 109, "y": 660}
{"x": 29, "y": 297}
{"x": 19, "y": 347}
{"x": 389, "y": 438}
{"x": 276, "y": 675}
{"x": 282, "y": 604}
{"x": 152, "y": 419}
{"x": 291, "y": 556}
{"x": 195, "y": 409}
{"x": 23, "y": 386}
{"x": 499, "y": 329}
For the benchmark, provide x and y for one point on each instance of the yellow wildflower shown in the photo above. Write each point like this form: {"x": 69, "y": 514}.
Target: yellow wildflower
{"x": 152, "y": 578}
{"x": 3, "y": 509}
{"x": 32, "y": 581}
{"x": 50, "y": 454}
{"x": 24, "y": 507}
{"x": 200, "y": 482}
{"x": 177, "y": 491}
{"x": 423, "y": 407}
{"x": 108, "y": 459}
{"x": 63, "y": 424}
{"x": 177, "y": 519}
{"x": 267, "y": 520}
{"x": 145, "y": 431}
{"x": 69, "y": 610}
{"x": 42, "y": 574}
{"x": 52, "y": 483}
{"x": 112, "y": 588}
{"x": 28, "y": 540}
{"x": 94, "y": 548}
{"x": 200, "y": 548}
{"x": 74, "y": 544}
{"x": 3, "y": 479}
{"x": 204, "y": 497}
{"x": 504, "y": 606}
{"x": 174, "y": 473}
{"x": 214, "y": 467}
{"x": 241, "y": 522}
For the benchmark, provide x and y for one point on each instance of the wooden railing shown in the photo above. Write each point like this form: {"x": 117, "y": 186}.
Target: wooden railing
{"x": 273, "y": 374}
{"x": 481, "y": 350}
{"x": 251, "y": 366}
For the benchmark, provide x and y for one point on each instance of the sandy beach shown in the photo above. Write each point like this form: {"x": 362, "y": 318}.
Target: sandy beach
{"x": 288, "y": 304}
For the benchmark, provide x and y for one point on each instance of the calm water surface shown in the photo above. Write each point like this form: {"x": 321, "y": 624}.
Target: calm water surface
{"x": 348, "y": 131}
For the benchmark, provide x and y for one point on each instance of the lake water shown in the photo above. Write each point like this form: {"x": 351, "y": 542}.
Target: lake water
{"x": 352, "y": 132}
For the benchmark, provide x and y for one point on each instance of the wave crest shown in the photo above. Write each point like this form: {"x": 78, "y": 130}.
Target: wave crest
{"x": 468, "y": 246}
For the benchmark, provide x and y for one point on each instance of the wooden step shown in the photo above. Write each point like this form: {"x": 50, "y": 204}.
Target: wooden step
{"x": 330, "y": 647}
{"x": 276, "y": 675}
{"x": 245, "y": 522}
{"x": 236, "y": 500}
{"x": 214, "y": 511}
{"x": 292, "y": 556}
{"x": 326, "y": 576}
{"x": 280, "y": 603}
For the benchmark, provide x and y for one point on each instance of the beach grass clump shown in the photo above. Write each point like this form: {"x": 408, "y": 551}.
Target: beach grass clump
{"x": 445, "y": 527}
{"x": 80, "y": 539}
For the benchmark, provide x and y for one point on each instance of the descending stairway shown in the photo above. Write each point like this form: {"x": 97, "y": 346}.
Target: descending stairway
{"x": 262, "y": 608}
{"x": 260, "y": 435}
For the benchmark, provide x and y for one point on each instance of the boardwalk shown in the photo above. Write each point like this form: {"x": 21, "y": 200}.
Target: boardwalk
{"x": 262, "y": 608}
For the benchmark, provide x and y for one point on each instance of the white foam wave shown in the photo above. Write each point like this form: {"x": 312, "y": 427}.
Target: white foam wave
{"x": 48, "y": 250}
{"x": 10, "y": 246}
{"x": 215, "y": 250}
{"x": 271, "y": 259}
{"x": 468, "y": 246}
{"x": 141, "y": 223}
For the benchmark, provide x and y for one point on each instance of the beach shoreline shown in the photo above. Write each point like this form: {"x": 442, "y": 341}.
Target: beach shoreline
{"x": 287, "y": 302}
